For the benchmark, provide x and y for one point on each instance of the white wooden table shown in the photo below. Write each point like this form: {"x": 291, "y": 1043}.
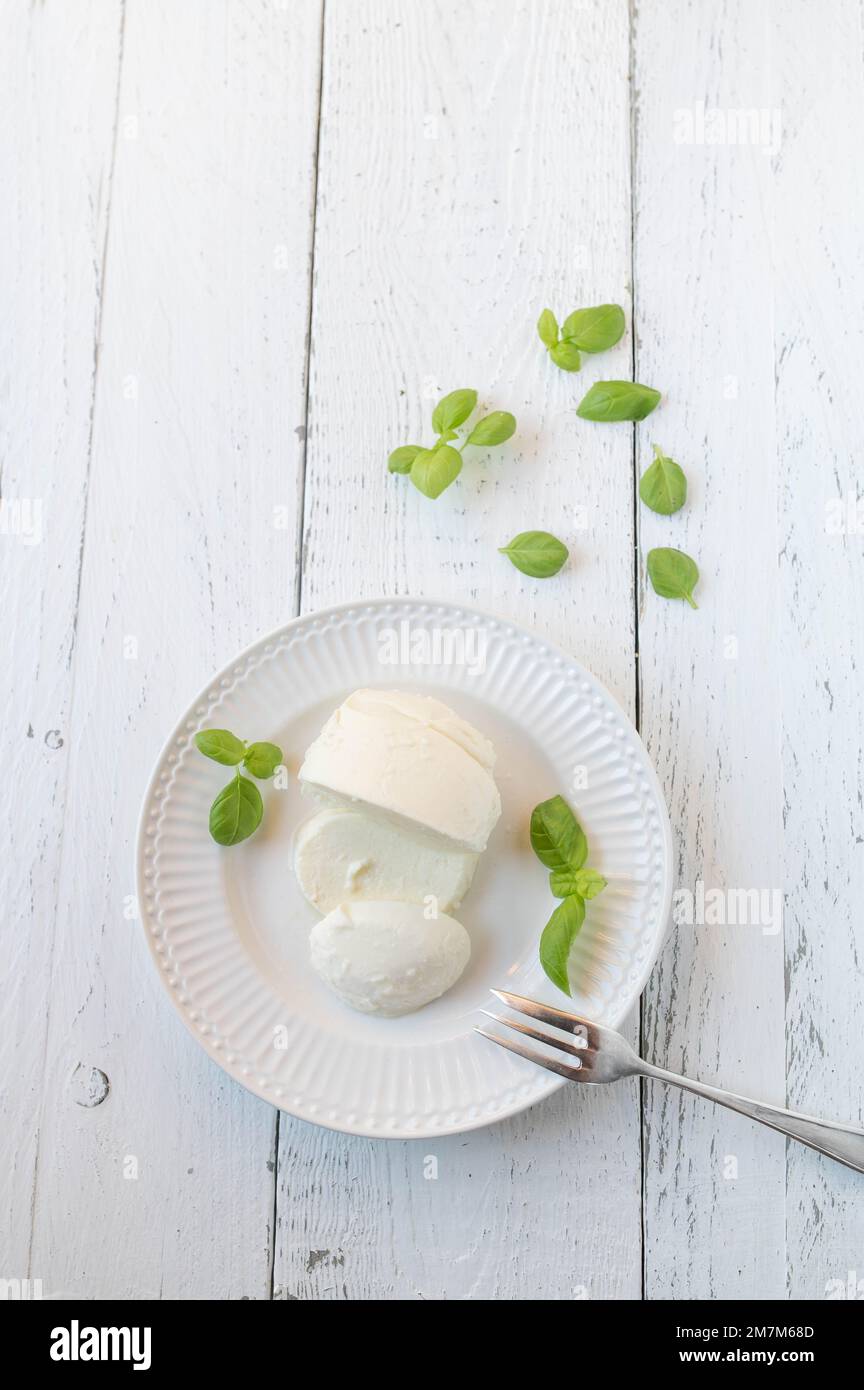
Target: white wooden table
{"x": 244, "y": 246}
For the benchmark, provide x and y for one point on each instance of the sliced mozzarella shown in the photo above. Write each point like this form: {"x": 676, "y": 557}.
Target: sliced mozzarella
{"x": 344, "y": 856}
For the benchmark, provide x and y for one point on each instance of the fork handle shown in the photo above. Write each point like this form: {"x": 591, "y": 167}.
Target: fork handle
{"x": 842, "y": 1142}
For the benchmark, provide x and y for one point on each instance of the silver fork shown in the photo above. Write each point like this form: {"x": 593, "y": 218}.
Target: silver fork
{"x": 597, "y": 1054}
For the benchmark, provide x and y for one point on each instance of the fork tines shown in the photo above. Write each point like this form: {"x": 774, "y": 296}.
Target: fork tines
{"x": 574, "y": 1048}
{"x": 556, "y": 1018}
{"x": 580, "y": 1028}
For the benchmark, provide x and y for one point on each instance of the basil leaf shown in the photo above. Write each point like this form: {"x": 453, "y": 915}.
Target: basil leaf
{"x": 586, "y": 883}
{"x": 594, "y": 330}
{"x": 262, "y": 759}
{"x": 401, "y": 459}
{"x": 221, "y": 746}
{"x": 435, "y": 469}
{"x": 493, "y": 429}
{"x": 236, "y": 813}
{"x": 562, "y": 882}
{"x": 673, "y": 574}
{"x": 547, "y": 327}
{"x": 663, "y": 486}
{"x": 557, "y": 838}
{"x": 536, "y": 553}
{"x": 590, "y": 883}
{"x": 453, "y": 410}
{"x": 557, "y": 940}
{"x": 618, "y": 400}
{"x": 566, "y": 356}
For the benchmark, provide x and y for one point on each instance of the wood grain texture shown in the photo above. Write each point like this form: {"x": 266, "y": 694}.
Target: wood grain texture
{"x": 165, "y": 1188}
{"x": 507, "y": 1212}
{"x": 819, "y": 292}
{"x": 60, "y": 67}
{"x": 714, "y": 1183}
{"x": 456, "y": 198}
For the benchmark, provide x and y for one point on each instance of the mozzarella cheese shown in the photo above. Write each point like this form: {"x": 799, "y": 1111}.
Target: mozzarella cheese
{"x": 345, "y": 856}
{"x": 411, "y": 759}
{"x": 388, "y": 958}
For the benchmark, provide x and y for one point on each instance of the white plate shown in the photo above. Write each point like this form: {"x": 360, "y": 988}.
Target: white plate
{"x": 228, "y": 928}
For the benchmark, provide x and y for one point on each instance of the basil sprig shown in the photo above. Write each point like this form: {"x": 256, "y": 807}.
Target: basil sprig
{"x": 559, "y": 842}
{"x": 673, "y": 574}
{"x": 618, "y": 400}
{"x": 585, "y": 330}
{"x": 237, "y": 811}
{"x": 536, "y": 553}
{"x": 663, "y": 485}
{"x": 433, "y": 470}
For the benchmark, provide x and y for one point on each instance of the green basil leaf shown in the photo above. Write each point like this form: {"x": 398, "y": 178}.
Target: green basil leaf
{"x": 673, "y": 574}
{"x": 586, "y": 883}
{"x": 590, "y": 883}
{"x": 562, "y": 882}
{"x": 453, "y": 410}
{"x": 595, "y": 330}
{"x": 547, "y": 327}
{"x": 262, "y": 759}
{"x": 536, "y": 553}
{"x": 557, "y": 940}
{"x": 557, "y": 838}
{"x": 618, "y": 400}
{"x": 435, "y": 469}
{"x": 221, "y": 746}
{"x": 401, "y": 459}
{"x": 663, "y": 486}
{"x": 566, "y": 356}
{"x": 236, "y": 813}
{"x": 493, "y": 429}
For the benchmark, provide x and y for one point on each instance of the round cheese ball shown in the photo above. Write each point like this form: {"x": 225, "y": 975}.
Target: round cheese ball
{"x": 388, "y": 958}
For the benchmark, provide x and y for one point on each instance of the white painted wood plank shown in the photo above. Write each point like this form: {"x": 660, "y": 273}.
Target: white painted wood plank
{"x": 819, "y": 307}
{"x": 60, "y": 65}
{"x": 200, "y": 394}
{"x": 474, "y": 166}
{"x": 514, "y": 1211}
{"x": 714, "y": 1183}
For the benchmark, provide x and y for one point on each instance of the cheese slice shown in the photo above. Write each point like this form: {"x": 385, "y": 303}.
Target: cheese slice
{"x": 346, "y": 856}
{"x": 410, "y": 758}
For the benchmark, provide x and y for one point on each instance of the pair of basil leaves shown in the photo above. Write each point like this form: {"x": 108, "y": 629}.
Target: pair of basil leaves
{"x": 559, "y": 842}
{"x": 663, "y": 488}
{"x": 237, "y": 811}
